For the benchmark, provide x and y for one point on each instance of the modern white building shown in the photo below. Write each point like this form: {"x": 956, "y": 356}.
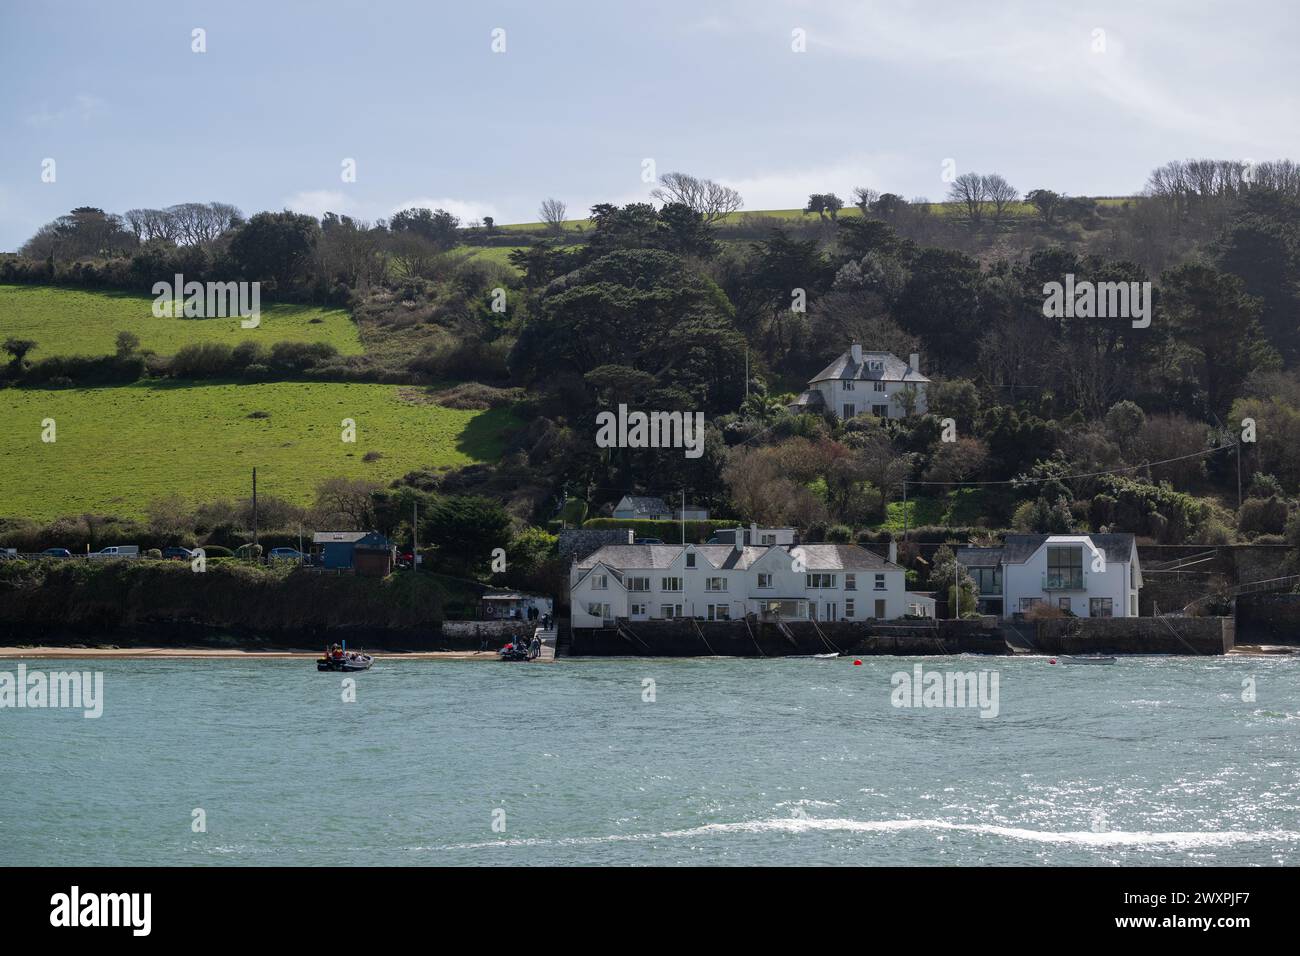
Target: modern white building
{"x": 1095, "y": 575}
{"x": 867, "y": 383}
{"x": 719, "y": 582}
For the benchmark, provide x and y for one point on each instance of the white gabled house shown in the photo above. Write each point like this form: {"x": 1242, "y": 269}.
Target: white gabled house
{"x": 719, "y": 582}
{"x": 867, "y": 383}
{"x": 1089, "y": 575}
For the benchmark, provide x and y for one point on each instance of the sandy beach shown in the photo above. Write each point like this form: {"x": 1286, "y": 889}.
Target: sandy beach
{"x": 144, "y": 653}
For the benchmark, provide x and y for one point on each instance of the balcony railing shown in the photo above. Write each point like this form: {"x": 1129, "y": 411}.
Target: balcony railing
{"x": 1065, "y": 581}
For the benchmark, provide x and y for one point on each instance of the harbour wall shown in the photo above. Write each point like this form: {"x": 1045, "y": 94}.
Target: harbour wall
{"x": 1268, "y": 619}
{"x": 684, "y": 637}
{"x": 1134, "y": 635}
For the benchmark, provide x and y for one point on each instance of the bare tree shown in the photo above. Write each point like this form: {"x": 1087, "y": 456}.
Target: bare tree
{"x": 1000, "y": 193}
{"x": 553, "y": 213}
{"x": 864, "y": 198}
{"x": 710, "y": 200}
{"x": 969, "y": 190}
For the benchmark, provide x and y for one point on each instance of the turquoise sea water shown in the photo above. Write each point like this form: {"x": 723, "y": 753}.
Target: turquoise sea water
{"x": 794, "y": 761}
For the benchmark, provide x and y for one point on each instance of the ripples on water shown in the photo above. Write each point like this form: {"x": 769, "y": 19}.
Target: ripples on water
{"x": 794, "y": 761}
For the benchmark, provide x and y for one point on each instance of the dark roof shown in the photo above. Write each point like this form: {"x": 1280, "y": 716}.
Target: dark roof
{"x": 373, "y": 541}
{"x": 892, "y": 369}
{"x": 1019, "y": 548}
{"x": 808, "y": 398}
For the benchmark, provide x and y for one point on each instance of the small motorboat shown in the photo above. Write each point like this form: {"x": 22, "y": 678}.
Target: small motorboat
{"x": 1087, "y": 659}
{"x": 339, "y": 659}
{"x": 515, "y": 651}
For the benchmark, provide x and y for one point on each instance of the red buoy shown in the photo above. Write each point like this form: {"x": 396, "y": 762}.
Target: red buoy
{"x": 857, "y": 663}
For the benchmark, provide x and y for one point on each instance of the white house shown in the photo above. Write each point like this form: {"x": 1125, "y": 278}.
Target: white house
{"x": 655, "y": 509}
{"x": 719, "y": 582}
{"x": 867, "y": 383}
{"x": 1095, "y": 575}
{"x": 756, "y": 536}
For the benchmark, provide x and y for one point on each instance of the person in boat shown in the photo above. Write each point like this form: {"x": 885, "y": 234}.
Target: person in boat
{"x": 336, "y": 652}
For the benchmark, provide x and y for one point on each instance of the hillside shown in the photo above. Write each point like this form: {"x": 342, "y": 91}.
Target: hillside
{"x": 119, "y": 448}
{"x": 72, "y": 322}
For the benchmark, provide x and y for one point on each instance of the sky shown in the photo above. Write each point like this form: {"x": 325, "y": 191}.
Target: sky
{"x": 589, "y": 99}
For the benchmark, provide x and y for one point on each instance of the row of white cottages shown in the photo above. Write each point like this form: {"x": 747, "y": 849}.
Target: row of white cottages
{"x": 1088, "y": 575}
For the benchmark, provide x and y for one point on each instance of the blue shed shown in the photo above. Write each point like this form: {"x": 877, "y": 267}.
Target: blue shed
{"x": 336, "y": 547}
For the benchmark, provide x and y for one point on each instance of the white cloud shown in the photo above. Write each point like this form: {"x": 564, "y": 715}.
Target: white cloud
{"x": 84, "y": 107}
{"x": 317, "y": 202}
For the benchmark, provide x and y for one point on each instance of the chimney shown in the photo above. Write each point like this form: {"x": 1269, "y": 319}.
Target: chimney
{"x": 739, "y": 542}
{"x": 914, "y": 360}
{"x": 893, "y": 551}
{"x": 855, "y": 350}
{"x": 753, "y": 532}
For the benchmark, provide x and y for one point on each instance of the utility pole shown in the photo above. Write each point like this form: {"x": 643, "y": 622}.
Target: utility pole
{"x": 415, "y": 536}
{"x": 904, "y": 511}
{"x": 1239, "y": 474}
{"x": 254, "y": 514}
{"x": 746, "y": 374}
{"x": 683, "y": 517}
{"x": 956, "y": 587}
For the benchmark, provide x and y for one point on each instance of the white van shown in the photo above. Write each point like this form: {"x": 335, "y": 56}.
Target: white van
{"x": 118, "y": 551}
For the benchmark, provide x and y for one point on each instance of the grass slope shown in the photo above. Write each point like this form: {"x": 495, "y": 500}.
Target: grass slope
{"x": 118, "y": 448}
{"x": 73, "y": 322}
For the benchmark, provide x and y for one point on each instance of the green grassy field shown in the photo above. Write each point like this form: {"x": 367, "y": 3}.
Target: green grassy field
{"x": 118, "y": 448}
{"x": 1017, "y": 209}
{"x": 73, "y": 322}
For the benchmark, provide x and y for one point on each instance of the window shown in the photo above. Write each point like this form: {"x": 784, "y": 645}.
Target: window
{"x": 1065, "y": 567}
{"x": 690, "y": 559}
{"x": 596, "y": 609}
{"x": 670, "y": 610}
{"x": 719, "y": 612}
{"x": 768, "y": 540}
{"x": 848, "y": 385}
{"x": 1133, "y": 605}
{"x": 880, "y": 411}
{"x": 850, "y": 411}
{"x": 1027, "y": 603}
{"x": 715, "y": 584}
{"x": 638, "y": 584}
{"x": 638, "y": 610}
{"x": 848, "y": 607}
{"x": 765, "y": 580}
{"x": 1100, "y": 607}
{"x": 987, "y": 580}
{"x": 1063, "y": 603}
{"x": 880, "y": 582}
{"x": 875, "y": 365}
{"x": 670, "y": 584}
{"x": 880, "y": 386}
{"x": 599, "y": 582}
{"x": 821, "y": 580}
{"x": 850, "y": 582}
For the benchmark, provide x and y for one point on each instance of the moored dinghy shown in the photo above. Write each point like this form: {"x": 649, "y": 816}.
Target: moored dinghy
{"x": 337, "y": 658}
{"x": 1087, "y": 659}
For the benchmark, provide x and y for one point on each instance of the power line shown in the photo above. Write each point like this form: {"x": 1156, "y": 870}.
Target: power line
{"x": 1090, "y": 474}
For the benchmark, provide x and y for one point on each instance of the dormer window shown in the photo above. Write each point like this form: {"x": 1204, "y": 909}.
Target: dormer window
{"x": 848, "y": 385}
{"x": 875, "y": 365}
{"x": 690, "y": 559}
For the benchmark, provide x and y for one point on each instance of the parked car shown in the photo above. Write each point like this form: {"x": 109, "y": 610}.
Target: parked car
{"x": 57, "y": 553}
{"x": 286, "y": 554}
{"x": 177, "y": 554}
{"x": 118, "y": 551}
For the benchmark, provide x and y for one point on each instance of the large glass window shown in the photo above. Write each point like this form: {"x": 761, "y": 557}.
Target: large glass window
{"x": 1101, "y": 607}
{"x": 1065, "y": 567}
